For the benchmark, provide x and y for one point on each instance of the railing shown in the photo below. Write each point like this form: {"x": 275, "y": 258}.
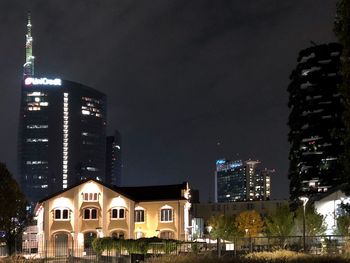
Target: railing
{"x": 64, "y": 252}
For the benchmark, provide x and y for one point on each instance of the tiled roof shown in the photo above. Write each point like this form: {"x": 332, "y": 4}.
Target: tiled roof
{"x": 138, "y": 193}
{"x": 154, "y": 193}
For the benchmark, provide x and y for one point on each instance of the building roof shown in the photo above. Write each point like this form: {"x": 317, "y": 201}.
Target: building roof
{"x": 138, "y": 193}
{"x": 154, "y": 193}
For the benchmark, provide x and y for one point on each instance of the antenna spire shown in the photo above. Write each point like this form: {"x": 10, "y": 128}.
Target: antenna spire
{"x": 28, "y": 67}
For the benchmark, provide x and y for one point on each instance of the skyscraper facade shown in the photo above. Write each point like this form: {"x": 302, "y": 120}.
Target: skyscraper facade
{"x": 315, "y": 121}
{"x": 62, "y": 129}
{"x": 241, "y": 181}
{"x": 114, "y": 159}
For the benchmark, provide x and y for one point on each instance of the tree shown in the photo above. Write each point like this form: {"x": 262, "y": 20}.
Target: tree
{"x": 280, "y": 224}
{"x": 343, "y": 223}
{"x": 13, "y": 214}
{"x": 314, "y": 222}
{"x": 250, "y": 223}
{"x": 224, "y": 227}
{"x": 342, "y": 31}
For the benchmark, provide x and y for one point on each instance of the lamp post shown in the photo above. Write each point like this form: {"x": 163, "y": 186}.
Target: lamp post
{"x": 209, "y": 228}
{"x": 304, "y": 199}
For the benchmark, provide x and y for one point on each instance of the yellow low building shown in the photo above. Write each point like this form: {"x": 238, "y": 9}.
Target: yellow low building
{"x": 69, "y": 220}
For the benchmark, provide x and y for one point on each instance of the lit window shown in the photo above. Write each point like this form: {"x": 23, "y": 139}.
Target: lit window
{"x": 61, "y": 214}
{"x": 118, "y": 213}
{"x": 166, "y": 215}
{"x": 139, "y": 216}
{"x": 90, "y": 214}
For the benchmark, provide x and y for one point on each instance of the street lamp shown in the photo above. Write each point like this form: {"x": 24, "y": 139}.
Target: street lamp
{"x": 209, "y": 228}
{"x": 304, "y": 199}
{"x": 250, "y": 239}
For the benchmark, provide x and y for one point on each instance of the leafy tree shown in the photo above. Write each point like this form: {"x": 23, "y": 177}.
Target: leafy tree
{"x": 250, "y": 223}
{"x": 342, "y": 31}
{"x": 13, "y": 214}
{"x": 224, "y": 227}
{"x": 314, "y": 222}
{"x": 280, "y": 223}
{"x": 343, "y": 223}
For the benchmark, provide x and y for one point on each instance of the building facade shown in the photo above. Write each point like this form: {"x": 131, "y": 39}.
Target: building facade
{"x": 62, "y": 130}
{"x": 74, "y": 217}
{"x": 241, "y": 181}
{"x": 315, "y": 121}
{"x": 114, "y": 159}
{"x": 61, "y": 135}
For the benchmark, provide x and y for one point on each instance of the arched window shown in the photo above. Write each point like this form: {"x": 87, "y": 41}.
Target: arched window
{"x": 118, "y": 213}
{"x": 90, "y": 197}
{"x": 139, "y": 215}
{"x": 90, "y": 214}
{"x": 61, "y": 214}
{"x": 166, "y": 214}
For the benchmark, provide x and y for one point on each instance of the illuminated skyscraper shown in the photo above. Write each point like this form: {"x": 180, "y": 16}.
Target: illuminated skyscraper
{"x": 241, "y": 181}
{"x": 62, "y": 131}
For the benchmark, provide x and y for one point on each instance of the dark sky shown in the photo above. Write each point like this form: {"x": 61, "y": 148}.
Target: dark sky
{"x": 187, "y": 81}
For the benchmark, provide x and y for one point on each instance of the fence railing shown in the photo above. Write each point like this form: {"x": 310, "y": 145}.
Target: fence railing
{"x": 50, "y": 251}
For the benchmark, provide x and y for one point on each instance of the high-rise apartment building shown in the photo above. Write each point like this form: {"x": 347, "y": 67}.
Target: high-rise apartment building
{"x": 241, "y": 181}
{"x": 315, "y": 121}
{"x": 114, "y": 159}
{"x": 62, "y": 129}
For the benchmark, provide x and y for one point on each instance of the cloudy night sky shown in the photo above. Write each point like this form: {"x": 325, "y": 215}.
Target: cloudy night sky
{"x": 187, "y": 81}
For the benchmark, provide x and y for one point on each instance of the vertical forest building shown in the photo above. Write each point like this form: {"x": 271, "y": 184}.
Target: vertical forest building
{"x": 315, "y": 121}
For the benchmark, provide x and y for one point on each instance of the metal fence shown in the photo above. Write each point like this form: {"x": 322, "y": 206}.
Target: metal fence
{"x": 65, "y": 252}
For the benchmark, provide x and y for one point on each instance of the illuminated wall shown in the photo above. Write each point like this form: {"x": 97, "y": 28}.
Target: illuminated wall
{"x": 94, "y": 208}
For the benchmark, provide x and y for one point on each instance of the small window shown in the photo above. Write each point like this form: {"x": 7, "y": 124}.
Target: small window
{"x": 93, "y": 214}
{"x": 61, "y": 214}
{"x": 121, "y": 213}
{"x": 65, "y": 214}
{"x": 90, "y": 197}
{"x": 57, "y": 214}
{"x": 118, "y": 213}
{"x": 166, "y": 215}
{"x": 90, "y": 213}
{"x": 139, "y": 216}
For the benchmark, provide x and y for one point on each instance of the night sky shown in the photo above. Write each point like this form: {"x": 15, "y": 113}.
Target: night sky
{"x": 187, "y": 81}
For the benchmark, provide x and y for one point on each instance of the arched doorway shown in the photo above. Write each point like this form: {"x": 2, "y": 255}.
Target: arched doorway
{"x": 88, "y": 238}
{"x": 166, "y": 234}
{"x": 61, "y": 245}
{"x": 118, "y": 234}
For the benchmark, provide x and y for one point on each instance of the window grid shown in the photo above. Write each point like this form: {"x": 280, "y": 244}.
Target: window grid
{"x": 118, "y": 213}
{"x": 166, "y": 215}
{"x": 139, "y": 216}
{"x": 90, "y": 214}
{"x": 61, "y": 214}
